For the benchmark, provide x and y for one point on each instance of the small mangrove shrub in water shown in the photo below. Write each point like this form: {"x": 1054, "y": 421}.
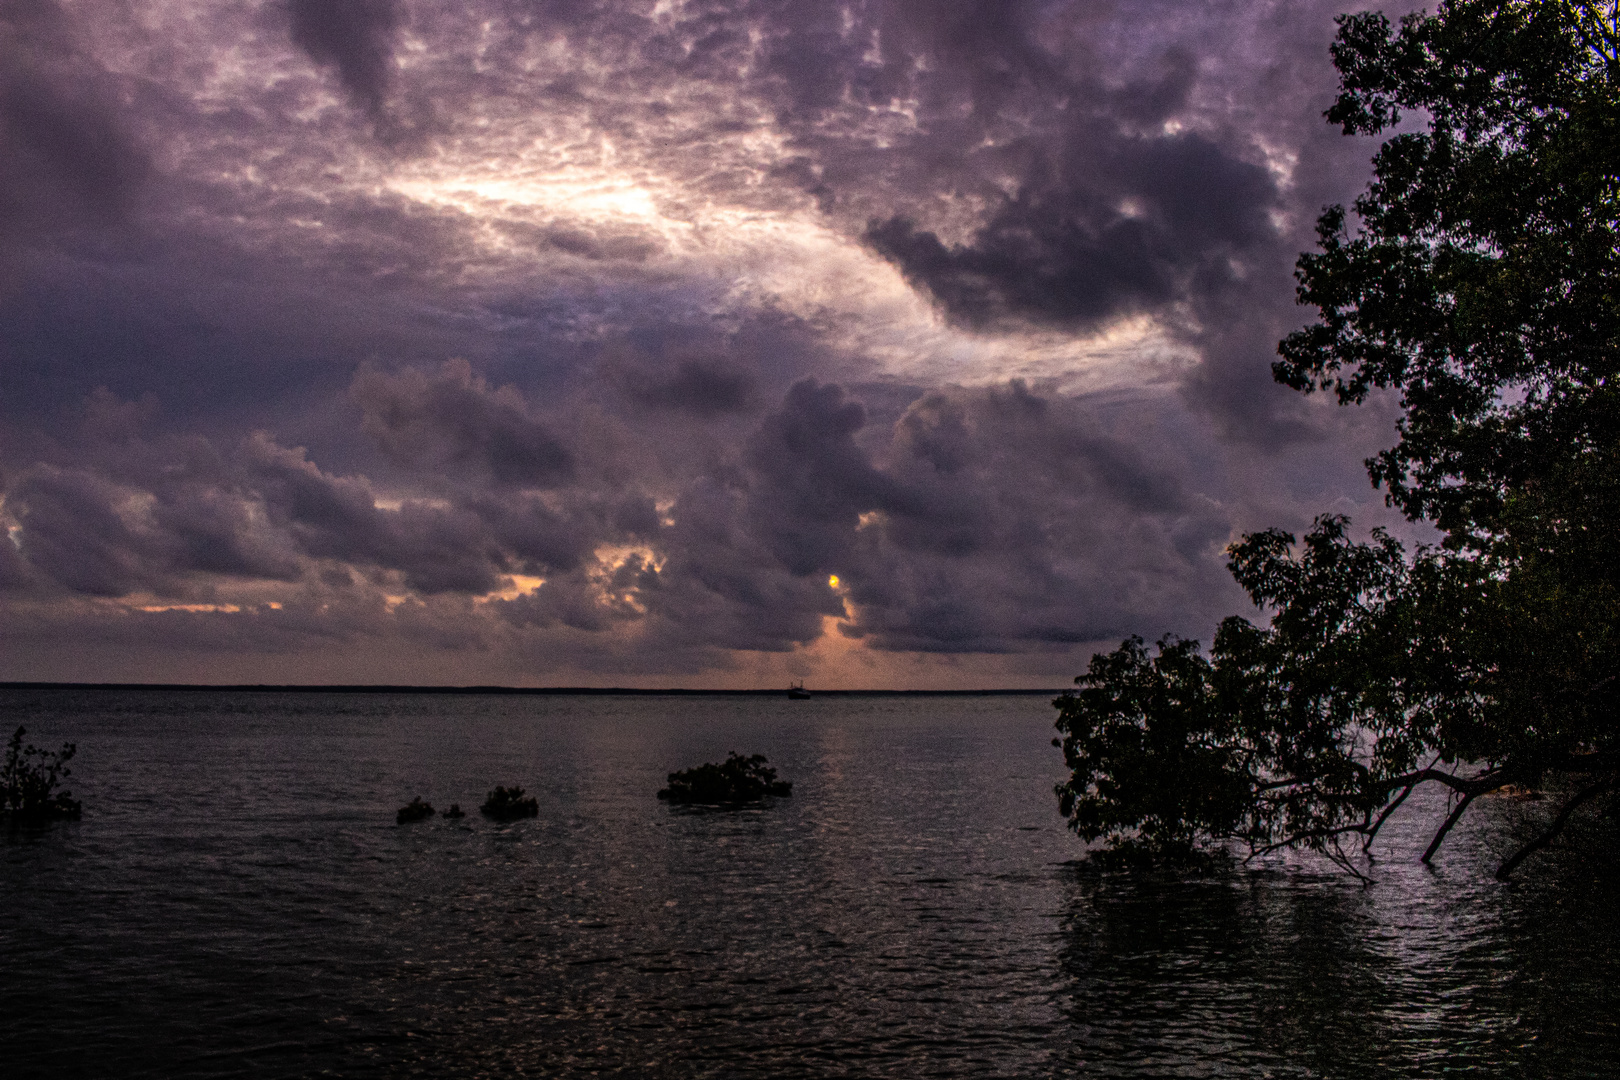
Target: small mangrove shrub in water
{"x": 736, "y": 780}
{"x": 508, "y": 804}
{"x": 415, "y": 810}
{"x": 29, "y": 780}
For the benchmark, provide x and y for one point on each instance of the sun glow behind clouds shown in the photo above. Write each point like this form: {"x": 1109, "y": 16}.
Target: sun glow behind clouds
{"x": 571, "y": 193}
{"x": 789, "y": 258}
{"x": 701, "y": 173}
{"x": 516, "y": 585}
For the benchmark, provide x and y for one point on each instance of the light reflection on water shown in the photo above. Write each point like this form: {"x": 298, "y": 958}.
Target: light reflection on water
{"x": 238, "y": 901}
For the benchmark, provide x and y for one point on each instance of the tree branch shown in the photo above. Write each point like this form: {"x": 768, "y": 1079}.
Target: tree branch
{"x": 1300, "y": 838}
{"x": 1466, "y": 786}
{"x": 1341, "y": 860}
{"x": 1366, "y": 845}
{"x": 1554, "y": 829}
{"x": 1434, "y": 845}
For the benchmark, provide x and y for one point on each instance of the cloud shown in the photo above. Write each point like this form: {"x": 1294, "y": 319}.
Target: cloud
{"x": 702, "y": 386}
{"x": 595, "y": 241}
{"x": 74, "y": 532}
{"x": 435, "y": 549}
{"x": 1011, "y": 521}
{"x": 815, "y": 481}
{"x": 982, "y": 520}
{"x": 268, "y": 516}
{"x": 15, "y": 574}
{"x": 454, "y": 421}
{"x": 354, "y": 36}
{"x": 1034, "y": 522}
{"x": 66, "y": 159}
{"x": 969, "y": 304}
{"x": 1113, "y": 231}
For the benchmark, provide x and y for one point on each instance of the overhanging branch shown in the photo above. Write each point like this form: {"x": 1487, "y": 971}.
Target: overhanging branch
{"x": 1439, "y": 837}
{"x": 1366, "y": 844}
{"x": 1466, "y": 786}
{"x": 1551, "y": 832}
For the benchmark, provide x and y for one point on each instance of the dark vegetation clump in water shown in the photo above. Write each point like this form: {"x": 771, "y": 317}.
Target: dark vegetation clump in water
{"x": 503, "y": 805}
{"x": 415, "y": 810}
{"x": 29, "y": 780}
{"x": 737, "y": 780}
{"x": 508, "y": 804}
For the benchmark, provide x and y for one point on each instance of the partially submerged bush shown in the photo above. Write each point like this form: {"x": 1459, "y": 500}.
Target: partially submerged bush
{"x": 454, "y": 811}
{"x": 415, "y": 810}
{"x": 736, "y": 780}
{"x": 508, "y": 804}
{"x": 28, "y": 782}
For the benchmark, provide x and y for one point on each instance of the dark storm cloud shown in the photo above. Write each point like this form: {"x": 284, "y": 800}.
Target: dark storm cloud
{"x": 985, "y": 520}
{"x": 181, "y": 517}
{"x": 701, "y": 386}
{"x": 354, "y": 36}
{"x": 102, "y": 538}
{"x": 1102, "y": 201}
{"x": 436, "y": 549}
{"x": 84, "y": 533}
{"x": 1036, "y": 521}
{"x": 815, "y": 480}
{"x": 125, "y": 514}
{"x": 65, "y": 157}
{"x": 1115, "y": 230}
{"x": 454, "y": 421}
{"x": 1156, "y": 158}
{"x": 72, "y": 532}
{"x": 540, "y": 540}
{"x": 1061, "y": 165}
{"x": 988, "y": 520}
{"x": 1009, "y": 521}
{"x": 721, "y": 583}
{"x": 14, "y": 570}
{"x": 600, "y": 244}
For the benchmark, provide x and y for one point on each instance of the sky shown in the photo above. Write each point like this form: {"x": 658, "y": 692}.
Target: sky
{"x": 704, "y": 343}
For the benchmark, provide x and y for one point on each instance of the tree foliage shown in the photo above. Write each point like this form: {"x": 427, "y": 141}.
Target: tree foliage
{"x": 1479, "y": 284}
{"x": 1481, "y": 281}
{"x": 1293, "y": 733}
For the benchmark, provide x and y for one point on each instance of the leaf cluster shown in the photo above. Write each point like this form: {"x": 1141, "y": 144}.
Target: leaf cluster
{"x": 1480, "y": 281}
{"x": 1541, "y": 611}
{"x": 1291, "y": 733}
{"x": 29, "y": 782}
{"x": 1379, "y": 671}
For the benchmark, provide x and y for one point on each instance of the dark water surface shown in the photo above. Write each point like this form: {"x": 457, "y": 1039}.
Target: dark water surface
{"x": 238, "y": 901}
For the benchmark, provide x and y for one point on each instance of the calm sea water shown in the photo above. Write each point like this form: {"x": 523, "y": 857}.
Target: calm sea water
{"x": 237, "y": 901}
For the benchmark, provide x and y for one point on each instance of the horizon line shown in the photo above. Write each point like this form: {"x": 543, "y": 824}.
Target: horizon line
{"x": 383, "y": 688}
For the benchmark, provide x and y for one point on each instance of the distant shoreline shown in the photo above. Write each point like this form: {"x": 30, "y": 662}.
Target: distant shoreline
{"x": 580, "y": 691}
